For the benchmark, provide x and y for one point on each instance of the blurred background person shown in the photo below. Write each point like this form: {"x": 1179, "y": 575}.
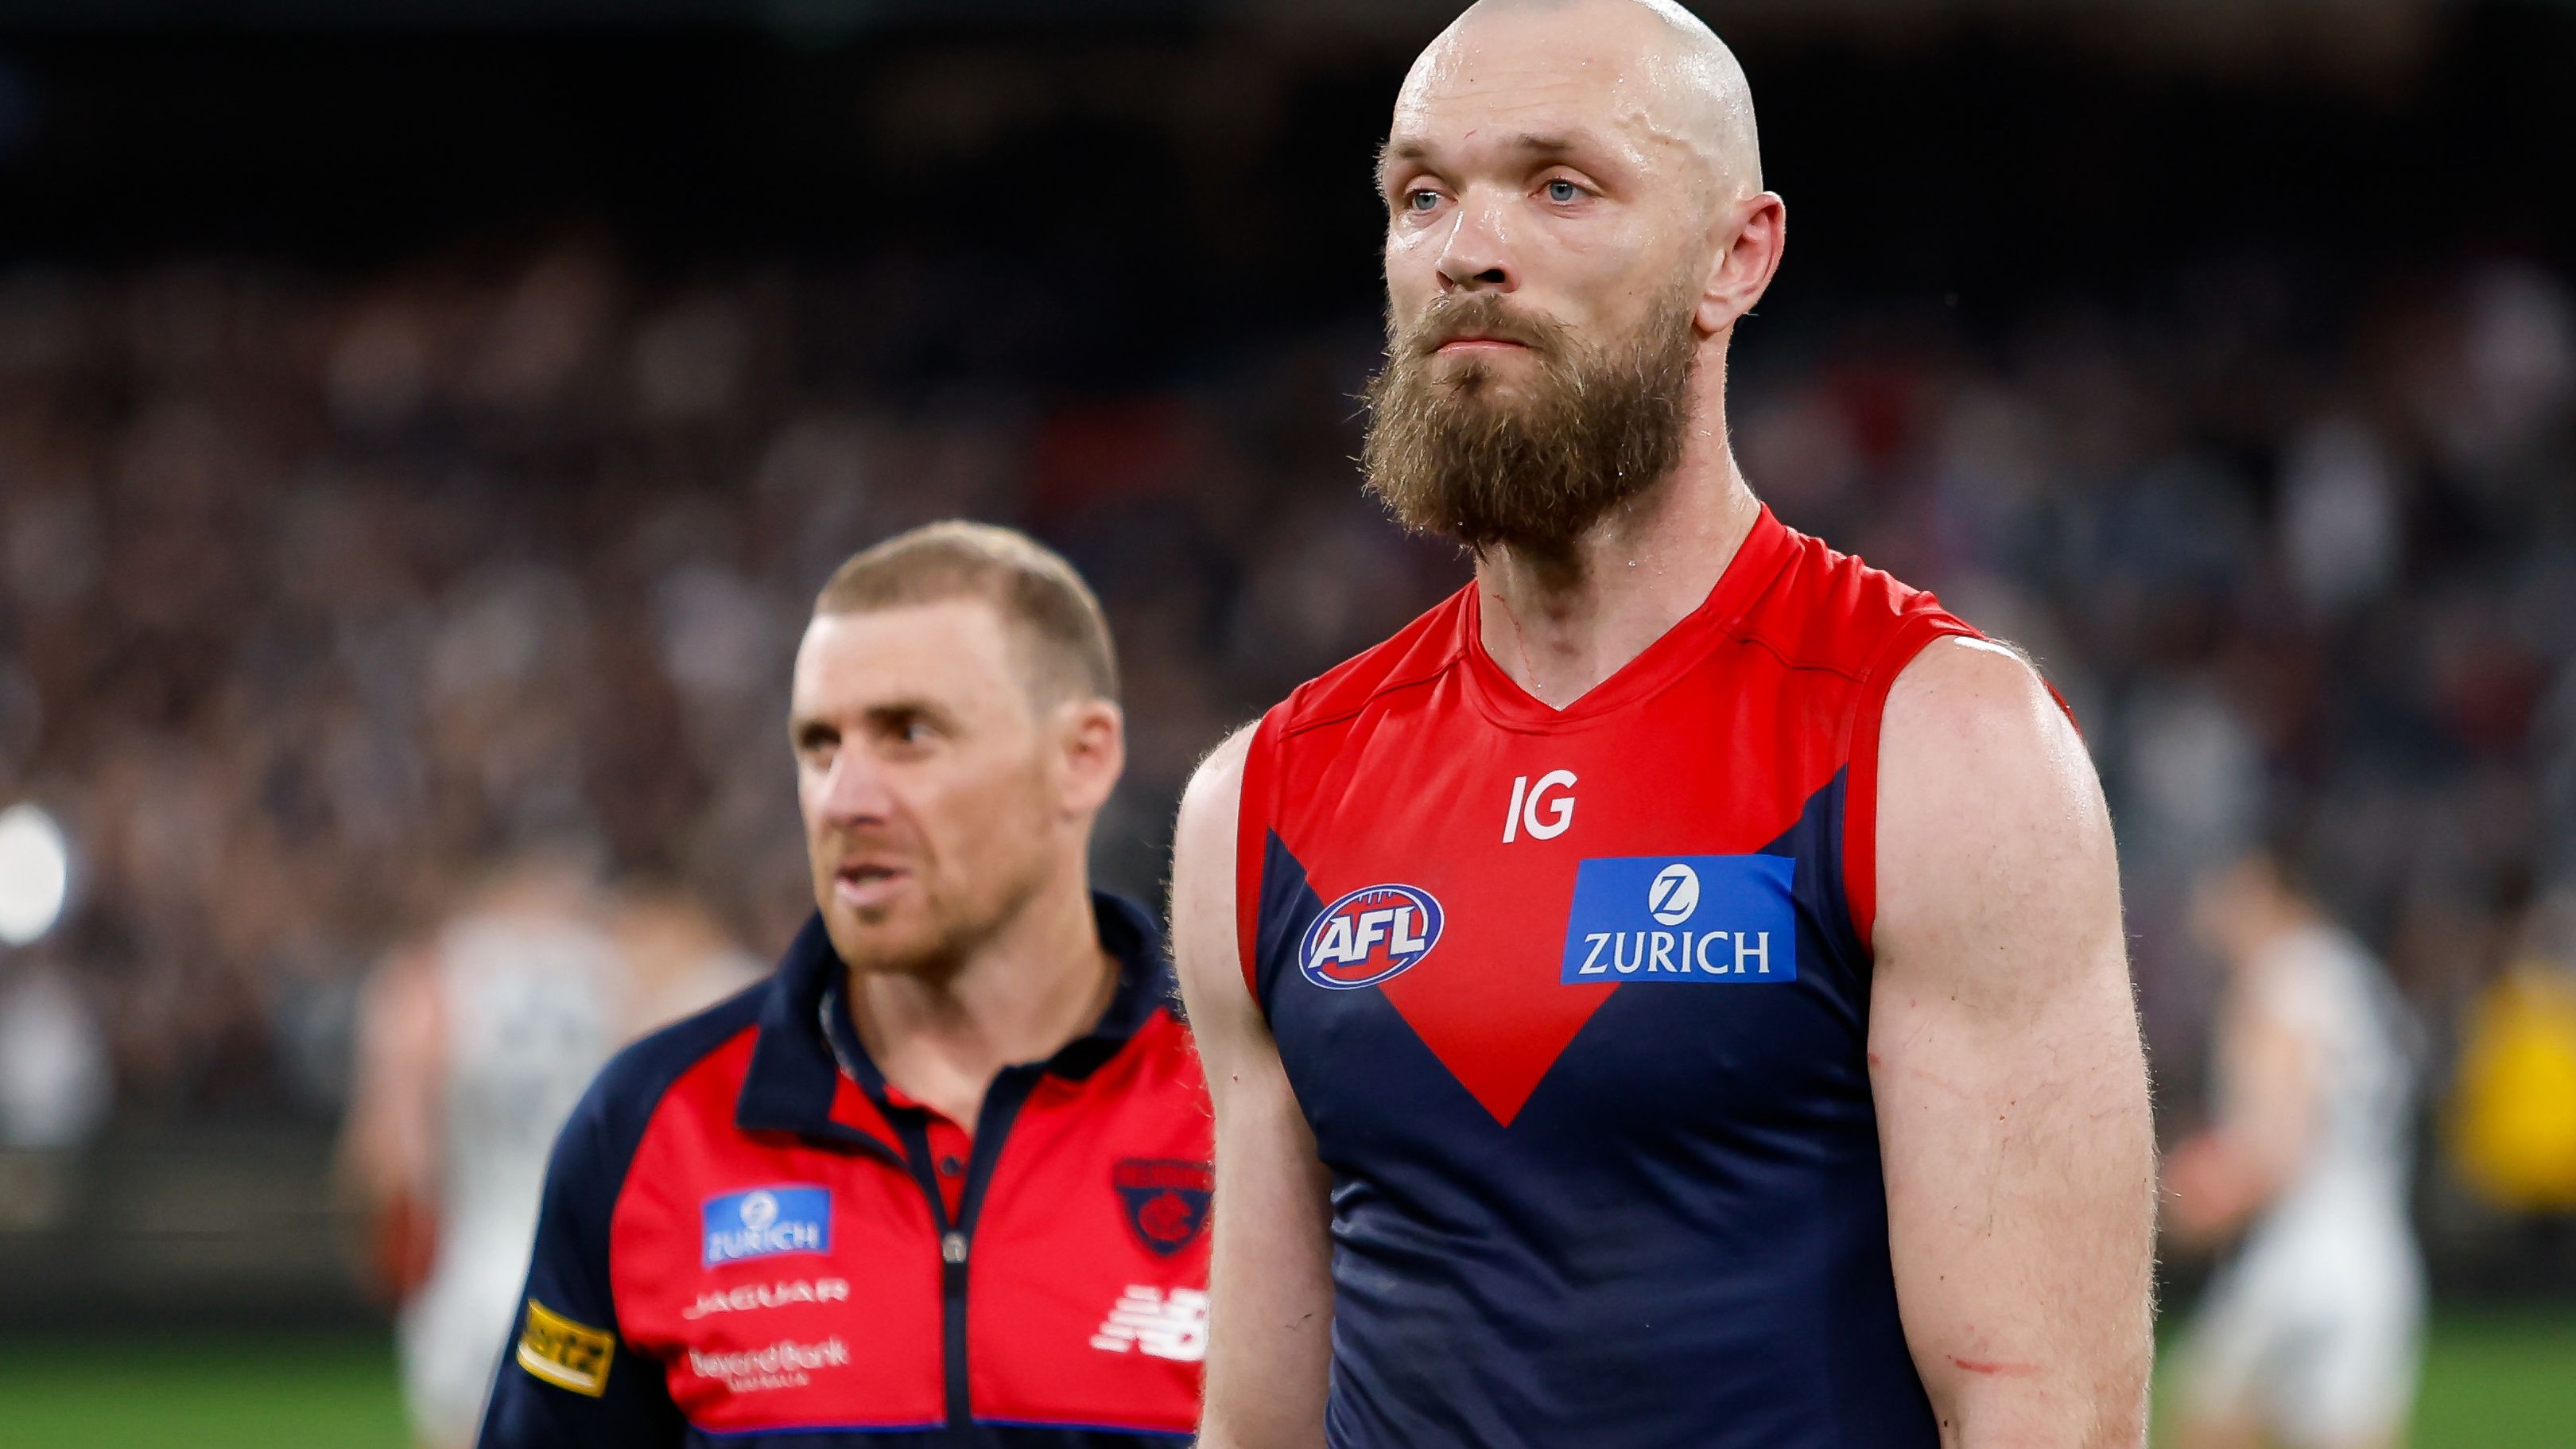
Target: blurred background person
{"x": 55, "y": 1087}
{"x": 473, "y": 1046}
{"x": 2311, "y": 1335}
{"x": 679, "y": 958}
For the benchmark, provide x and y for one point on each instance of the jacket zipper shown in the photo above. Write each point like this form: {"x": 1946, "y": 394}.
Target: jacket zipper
{"x": 953, "y": 1247}
{"x": 955, "y": 1241}
{"x": 1002, "y": 1103}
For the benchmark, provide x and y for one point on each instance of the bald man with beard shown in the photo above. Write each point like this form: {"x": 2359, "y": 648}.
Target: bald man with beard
{"x": 1673, "y": 992}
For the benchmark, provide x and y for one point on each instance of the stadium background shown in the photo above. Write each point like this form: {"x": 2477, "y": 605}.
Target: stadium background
{"x": 422, "y": 425}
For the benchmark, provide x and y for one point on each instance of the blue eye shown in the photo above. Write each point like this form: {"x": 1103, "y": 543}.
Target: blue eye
{"x": 1562, "y": 192}
{"x": 1422, "y": 199}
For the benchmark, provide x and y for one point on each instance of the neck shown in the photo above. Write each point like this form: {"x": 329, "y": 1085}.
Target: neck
{"x": 1561, "y": 620}
{"x": 1035, "y": 985}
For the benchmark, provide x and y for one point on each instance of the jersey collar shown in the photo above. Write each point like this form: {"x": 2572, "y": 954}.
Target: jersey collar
{"x": 1757, "y": 561}
{"x": 794, "y": 1083}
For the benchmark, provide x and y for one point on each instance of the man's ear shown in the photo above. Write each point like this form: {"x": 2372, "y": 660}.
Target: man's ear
{"x": 1752, "y": 233}
{"x": 1091, "y": 753}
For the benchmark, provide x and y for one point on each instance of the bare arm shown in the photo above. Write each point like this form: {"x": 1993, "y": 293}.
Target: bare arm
{"x": 2005, "y": 1056}
{"x": 2266, "y": 1128}
{"x": 1271, "y": 1289}
{"x": 389, "y": 1142}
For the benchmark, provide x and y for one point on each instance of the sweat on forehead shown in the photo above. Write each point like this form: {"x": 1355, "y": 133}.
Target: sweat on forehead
{"x": 1646, "y": 65}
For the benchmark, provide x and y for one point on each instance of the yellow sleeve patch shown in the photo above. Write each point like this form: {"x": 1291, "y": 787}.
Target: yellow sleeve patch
{"x": 566, "y": 1354}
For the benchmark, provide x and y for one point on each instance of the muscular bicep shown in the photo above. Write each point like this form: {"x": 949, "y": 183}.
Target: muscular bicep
{"x": 2006, "y": 1063}
{"x": 1271, "y": 1295}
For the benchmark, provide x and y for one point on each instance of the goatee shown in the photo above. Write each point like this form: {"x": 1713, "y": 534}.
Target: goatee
{"x": 1448, "y": 453}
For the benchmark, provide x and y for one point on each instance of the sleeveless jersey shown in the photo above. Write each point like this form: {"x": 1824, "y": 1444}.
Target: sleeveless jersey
{"x": 527, "y": 997}
{"x": 1576, "y": 1003}
{"x": 2323, "y": 986}
{"x": 530, "y": 1021}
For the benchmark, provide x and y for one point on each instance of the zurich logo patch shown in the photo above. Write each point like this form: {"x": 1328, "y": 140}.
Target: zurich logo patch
{"x": 1368, "y": 936}
{"x": 767, "y": 1221}
{"x": 1674, "y": 897}
{"x": 1715, "y": 919}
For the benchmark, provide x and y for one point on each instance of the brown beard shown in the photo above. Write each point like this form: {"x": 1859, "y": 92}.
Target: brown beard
{"x": 1448, "y": 456}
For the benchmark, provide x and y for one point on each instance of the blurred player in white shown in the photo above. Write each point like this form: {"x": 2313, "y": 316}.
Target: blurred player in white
{"x": 2310, "y": 1335}
{"x": 472, "y": 1048}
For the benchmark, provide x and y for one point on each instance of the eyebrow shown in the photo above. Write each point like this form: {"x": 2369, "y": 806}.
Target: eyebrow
{"x": 1391, "y": 151}
{"x": 802, "y": 727}
{"x": 1535, "y": 143}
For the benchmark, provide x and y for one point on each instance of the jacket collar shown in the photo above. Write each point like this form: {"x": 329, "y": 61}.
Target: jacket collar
{"x": 793, "y": 1076}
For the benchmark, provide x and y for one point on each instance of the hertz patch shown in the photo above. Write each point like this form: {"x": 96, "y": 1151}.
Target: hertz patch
{"x": 565, "y": 1354}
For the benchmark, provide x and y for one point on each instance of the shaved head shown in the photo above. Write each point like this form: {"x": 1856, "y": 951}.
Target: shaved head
{"x": 1676, "y": 83}
{"x": 1575, "y": 220}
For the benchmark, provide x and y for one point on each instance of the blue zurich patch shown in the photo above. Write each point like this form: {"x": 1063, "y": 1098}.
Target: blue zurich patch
{"x": 1708, "y": 919}
{"x": 767, "y": 1221}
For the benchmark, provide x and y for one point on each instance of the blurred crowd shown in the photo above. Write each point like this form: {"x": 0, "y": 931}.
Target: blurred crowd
{"x": 319, "y": 592}
{"x": 2305, "y": 565}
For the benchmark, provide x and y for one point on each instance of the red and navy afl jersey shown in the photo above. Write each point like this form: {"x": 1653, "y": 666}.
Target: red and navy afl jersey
{"x": 1576, "y": 1002}
{"x": 750, "y": 1238}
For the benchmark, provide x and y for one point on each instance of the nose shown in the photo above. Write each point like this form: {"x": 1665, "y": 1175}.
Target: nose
{"x": 853, "y": 791}
{"x": 1476, "y": 257}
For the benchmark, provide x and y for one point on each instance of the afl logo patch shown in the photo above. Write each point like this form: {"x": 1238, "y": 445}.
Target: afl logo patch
{"x": 1368, "y": 936}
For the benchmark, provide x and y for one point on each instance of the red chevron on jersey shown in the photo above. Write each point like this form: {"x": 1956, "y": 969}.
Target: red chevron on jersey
{"x": 1490, "y": 1003}
{"x": 1418, "y": 789}
{"x": 1576, "y": 1005}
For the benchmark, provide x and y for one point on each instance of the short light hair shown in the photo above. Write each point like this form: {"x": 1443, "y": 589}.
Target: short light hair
{"x": 1037, "y": 592}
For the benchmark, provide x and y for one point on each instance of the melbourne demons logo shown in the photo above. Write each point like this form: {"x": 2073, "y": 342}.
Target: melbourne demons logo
{"x": 1166, "y": 1202}
{"x": 1368, "y": 936}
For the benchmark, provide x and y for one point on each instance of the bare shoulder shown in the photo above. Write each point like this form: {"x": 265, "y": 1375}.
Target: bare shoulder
{"x": 1963, "y": 692}
{"x": 1203, "y": 878}
{"x": 1208, "y": 805}
{"x": 1991, "y": 824}
{"x": 1203, "y": 837}
{"x": 1970, "y": 721}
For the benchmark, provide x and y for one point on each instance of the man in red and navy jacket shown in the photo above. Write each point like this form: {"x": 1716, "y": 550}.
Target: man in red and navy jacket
{"x": 944, "y": 1178}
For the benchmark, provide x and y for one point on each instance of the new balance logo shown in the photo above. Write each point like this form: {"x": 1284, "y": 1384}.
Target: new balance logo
{"x": 1173, "y": 1327}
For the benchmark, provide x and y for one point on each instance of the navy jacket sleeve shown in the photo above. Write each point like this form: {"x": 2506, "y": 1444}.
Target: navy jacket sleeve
{"x": 568, "y": 1379}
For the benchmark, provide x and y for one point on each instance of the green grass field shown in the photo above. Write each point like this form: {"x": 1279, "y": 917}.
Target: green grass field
{"x": 2490, "y": 1383}
{"x": 245, "y": 1393}
{"x": 2499, "y": 1384}
{"x": 2496, "y": 1382}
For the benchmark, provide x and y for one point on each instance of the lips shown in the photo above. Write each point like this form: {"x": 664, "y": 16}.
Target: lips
{"x": 864, "y": 884}
{"x": 1478, "y": 324}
